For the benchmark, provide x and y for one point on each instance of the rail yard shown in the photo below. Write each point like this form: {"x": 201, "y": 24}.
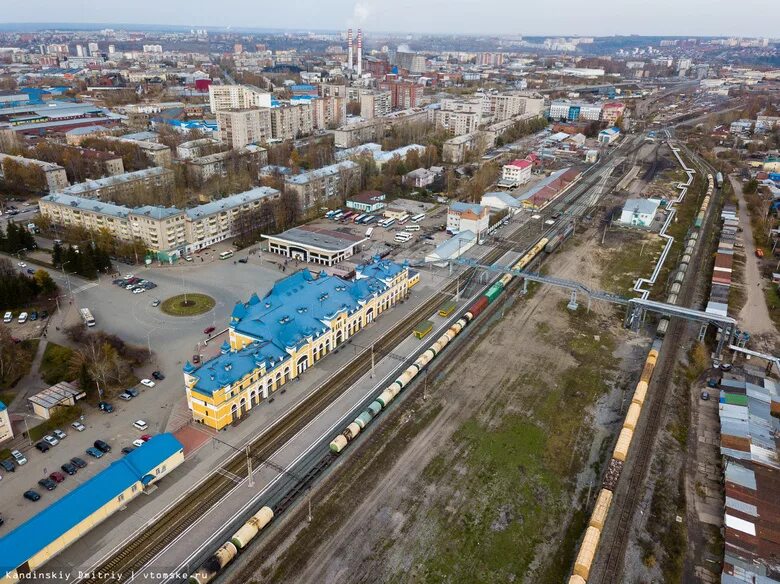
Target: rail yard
{"x": 456, "y": 317}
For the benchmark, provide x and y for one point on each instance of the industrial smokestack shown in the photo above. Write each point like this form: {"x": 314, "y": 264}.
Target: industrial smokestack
{"x": 349, "y": 50}
{"x": 360, "y": 53}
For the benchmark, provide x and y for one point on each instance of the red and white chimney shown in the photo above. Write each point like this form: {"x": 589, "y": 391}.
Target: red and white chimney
{"x": 349, "y": 50}
{"x": 360, "y": 53}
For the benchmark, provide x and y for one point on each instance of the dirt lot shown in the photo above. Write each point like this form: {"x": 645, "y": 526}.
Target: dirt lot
{"x": 486, "y": 479}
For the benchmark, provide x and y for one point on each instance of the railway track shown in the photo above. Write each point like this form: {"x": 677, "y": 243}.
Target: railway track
{"x": 139, "y": 551}
{"x": 631, "y": 488}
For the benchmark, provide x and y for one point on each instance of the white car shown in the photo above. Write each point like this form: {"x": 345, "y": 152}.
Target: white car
{"x": 140, "y": 424}
{"x": 139, "y": 290}
{"x": 19, "y": 457}
{"x": 129, "y": 276}
{"x": 51, "y": 440}
{"x": 22, "y": 265}
{"x": 147, "y": 382}
{"x": 59, "y": 434}
{"x": 8, "y": 317}
{"x": 22, "y": 318}
{"x": 188, "y": 259}
{"x": 138, "y": 443}
{"x": 78, "y": 426}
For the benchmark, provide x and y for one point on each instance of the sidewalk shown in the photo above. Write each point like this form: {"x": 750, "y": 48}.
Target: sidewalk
{"x": 30, "y": 383}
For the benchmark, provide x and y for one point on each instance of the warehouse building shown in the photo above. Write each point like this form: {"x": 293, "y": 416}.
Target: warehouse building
{"x": 48, "y": 533}
{"x": 315, "y": 245}
{"x": 275, "y": 339}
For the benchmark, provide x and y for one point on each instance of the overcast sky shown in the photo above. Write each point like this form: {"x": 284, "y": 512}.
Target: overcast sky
{"x": 525, "y": 17}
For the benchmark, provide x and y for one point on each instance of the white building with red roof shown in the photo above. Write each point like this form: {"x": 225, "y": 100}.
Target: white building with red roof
{"x": 517, "y": 172}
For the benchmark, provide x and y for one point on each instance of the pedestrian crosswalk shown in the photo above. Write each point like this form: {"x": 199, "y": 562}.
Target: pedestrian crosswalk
{"x": 83, "y": 287}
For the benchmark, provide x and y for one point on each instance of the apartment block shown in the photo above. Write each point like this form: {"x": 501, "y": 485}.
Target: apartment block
{"x": 56, "y": 177}
{"x": 205, "y": 167}
{"x": 223, "y": 97}
{"x": 291, "y": 121}
{"x": 504, "y": 106}
{"x": 375, "y": 104}
{"x": 239, "y": 127}
{"x": 112, "y": 186}
{"x": 328, "y": 112}
{"x": 403, "y": 94}
{"x": 352, "y": 135}
{"x": 320, "y": 185}
{"x": 168, "y": 231}
{"x": 458, "y": 123}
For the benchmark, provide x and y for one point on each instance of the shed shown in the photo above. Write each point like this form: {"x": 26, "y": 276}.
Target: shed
{"x": 62, "y": 395}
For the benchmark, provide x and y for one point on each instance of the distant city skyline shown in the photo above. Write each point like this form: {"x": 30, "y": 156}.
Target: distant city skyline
{"x": 564, "y": 17}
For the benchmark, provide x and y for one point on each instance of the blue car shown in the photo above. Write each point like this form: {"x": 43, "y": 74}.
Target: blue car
{"x": 94, "y": 452}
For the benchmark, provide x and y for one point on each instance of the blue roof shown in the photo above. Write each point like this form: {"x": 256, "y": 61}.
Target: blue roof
{"x": 2, "y": 406}
{"x": 303, "y": 87}
{"x": 70, "y": 510}
{"x": 461, "y": 207}
{"x": 294, "y": 312}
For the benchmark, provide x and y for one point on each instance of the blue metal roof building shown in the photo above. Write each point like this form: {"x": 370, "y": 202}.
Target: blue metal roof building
{"x": 80, "y": 508}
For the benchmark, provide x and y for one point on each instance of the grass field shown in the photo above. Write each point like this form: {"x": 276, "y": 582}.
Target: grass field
{"x": 187, "y": 305}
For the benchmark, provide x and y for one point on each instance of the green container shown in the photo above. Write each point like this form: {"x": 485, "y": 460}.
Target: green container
{"x": 494, "y": 291}
{"x": 374, "y": 407}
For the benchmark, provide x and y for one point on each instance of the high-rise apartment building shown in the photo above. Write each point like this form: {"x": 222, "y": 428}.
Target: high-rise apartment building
{"x": 223, "y": 97}
{"x": 241, "y": 126}
{"x": 404, "y": 94}
{"x": 291, "y": 120}
{"x": 375, "y": 104}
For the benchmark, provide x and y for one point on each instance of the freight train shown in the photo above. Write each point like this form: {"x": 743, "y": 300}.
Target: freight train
{"x": 590, "y": 543}
{"x": 706, "y": 203}
{"x": 212, "y": 567}
{"x": 389, "y": 394}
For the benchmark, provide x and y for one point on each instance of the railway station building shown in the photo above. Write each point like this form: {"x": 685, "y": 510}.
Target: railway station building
{"x": 44, "y": 536}
{"x": 316, "y": 245}
{"x": 274, "y": 339}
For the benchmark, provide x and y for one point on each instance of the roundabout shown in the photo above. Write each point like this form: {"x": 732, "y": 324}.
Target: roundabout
{"x": 188, "y": 305}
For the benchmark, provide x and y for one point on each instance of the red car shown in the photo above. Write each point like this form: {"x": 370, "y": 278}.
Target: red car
{"x": 146, "y": 437}
{"x": 208, "y": 330}
{"x": 57, "y": 477}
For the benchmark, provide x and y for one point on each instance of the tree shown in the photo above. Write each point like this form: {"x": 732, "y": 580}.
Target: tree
{"x": 751, "y": 187}
{"x": 45, "y": 282}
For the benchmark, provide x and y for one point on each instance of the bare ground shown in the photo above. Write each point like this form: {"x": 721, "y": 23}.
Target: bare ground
{"x": 484, "y": 481}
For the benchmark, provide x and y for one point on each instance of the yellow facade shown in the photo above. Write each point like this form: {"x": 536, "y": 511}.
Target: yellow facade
{"x": 220, "y": 408}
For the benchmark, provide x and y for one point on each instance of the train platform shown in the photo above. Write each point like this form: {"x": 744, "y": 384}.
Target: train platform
{"x": 202, "y": 459}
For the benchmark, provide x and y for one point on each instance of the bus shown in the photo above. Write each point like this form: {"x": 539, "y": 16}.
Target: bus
{"x": 226, "y": 255}
{"x": 330, "y": 214}
{"x": 402, "y": 237}
{"x": 418, "y": 218}
{"x": 369, "y": 219}
{"x": 403, "y": 219}
{"x": 387, "y": 223}
{"x": 369, "y": 231}
{"x": 412, "y": 228}
{"x": 337, "y": 215}
{"x": 87, "y": 317}
{"x": 359, "y": 218}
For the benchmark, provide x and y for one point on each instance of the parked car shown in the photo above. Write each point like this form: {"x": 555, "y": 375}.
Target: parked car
{"x": 158, "y": 375}
{"x": 705, "y": 395}
{"x": 187, "y": 258}
{"x": 78, "y": 426}
{"x": 106, "y": 407}
{"x": 31, "y": 495}
{"x": 19, "y": 457}
{"x": 146, "y": 437}
{"x": 22, "y": 318}
{"x": 127, "y": 449}
{"x": 155, "y": 303}
{"x": 51, "y": 440}
{"x": 125, "y": 396}
{"x": 57, "y": 476}
{"x": 102, "y": 446}
{"x": 34, "y": 315}
{"x": 22, "y": 265}
{"x": 42, "y": 446}
{"x": 209, "y": 329}
{"x": 69, "y": 468}
{"x": 8, "y": 465}
{"x": 243, "y": 260}
{"x": 147, "y": 382}
{"x": 48, "y": 484}
{"x": 139, "y": 290}
{"x": 44, "y": 314}
{"x": 138, "y": 442}
{"x": 140, "y": 424}
{"x": 59, "y": 434}
{"x": 196, "y": 359}
{"x": 133, "y": 391}
{"x": 725, "y": 366}
{"x": 78, "y": 462}
{"x": 8, "y": 317}
{"x": 713, "y": 382}
{"x": 94, "y": 452}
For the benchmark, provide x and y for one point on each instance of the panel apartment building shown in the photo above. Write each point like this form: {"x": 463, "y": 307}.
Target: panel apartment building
{"x": 222, "y": 97}
{"x": 239, "y": 127}
{"x": 168, "y": 231}
{"x": 318, "y": 186}
{"x": 55, "y": 175}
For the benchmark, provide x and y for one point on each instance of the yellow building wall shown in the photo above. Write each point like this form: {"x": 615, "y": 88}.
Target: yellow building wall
{"x": 78, "y": 531}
